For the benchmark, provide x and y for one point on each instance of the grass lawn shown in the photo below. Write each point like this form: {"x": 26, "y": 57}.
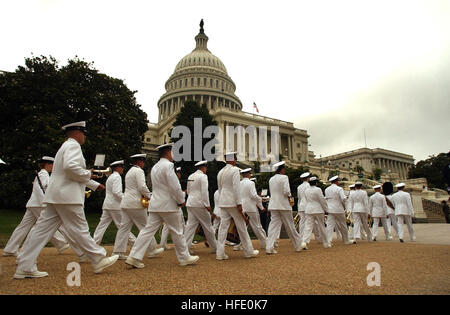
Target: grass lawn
{"x": 9, "y": 219}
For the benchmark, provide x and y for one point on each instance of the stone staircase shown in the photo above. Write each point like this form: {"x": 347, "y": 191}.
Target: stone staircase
{"x": 433, "y": 211}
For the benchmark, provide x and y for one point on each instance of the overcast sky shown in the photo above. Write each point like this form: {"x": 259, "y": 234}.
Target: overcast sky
{"x": 333, "y": 68}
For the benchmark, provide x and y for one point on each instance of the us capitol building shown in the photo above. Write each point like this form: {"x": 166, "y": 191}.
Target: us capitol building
{"x": 202, "y": 77}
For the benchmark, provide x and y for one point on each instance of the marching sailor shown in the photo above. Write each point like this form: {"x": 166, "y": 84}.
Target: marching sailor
{"x": 34, "y": 208}
{"x": 335, "y": 197}
{"x": 64, "y": 198}
{"x": 133, "y": 212}
{"x": 165, "y": 230}
{"x": 378, "y": 210}
{"x": 230, "y": 204}
{"x": 198, "y": 207}
{"x": 112, "y": 212}
{"x": 280, "y": 209}
{"x": 250, "y": 204}
{"x": 359, "y": 206}
{"x": 165, "y": 206}
{"x": 316, "y": 207}
{"x": 388, "y": 190}
{"x": 404, "y": 211}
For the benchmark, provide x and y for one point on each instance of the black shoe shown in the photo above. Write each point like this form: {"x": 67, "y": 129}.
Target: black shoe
{"x": 402, "y": 241}
{"x": 374, "y": 239}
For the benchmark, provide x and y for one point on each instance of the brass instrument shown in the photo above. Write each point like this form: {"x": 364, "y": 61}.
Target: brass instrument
{"x": 145, "y": 202}
{"x": 297, "y": 220}
{"x": 101, "y": 173}
{"x": 88, "y": 193}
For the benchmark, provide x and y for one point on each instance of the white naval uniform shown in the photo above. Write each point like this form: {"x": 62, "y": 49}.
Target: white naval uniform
{"x": 280, "y": 212}
{"x": 164, "y": 207}
{"x": 132, "y": 210}
{"x": 392, "y": 220}
{"x": 301, "y": 205}
{"x": 404, "y": 212}
{"x": 111, "y": 208}
{"x": 316, "y": 206}
{"x": 359, "y": 206}
{"x": 228, "y": 180}
{"x": 34, "y": 208}
{"x": 335, "y": 197}
{"x": 198, "y": 200}
{"x": 216, "y": 211}
{"x": 378, "y": 211}
{"x": 165, "y": 231}
{"x": 250, "y": 204}
{"x": 65, "y": 206}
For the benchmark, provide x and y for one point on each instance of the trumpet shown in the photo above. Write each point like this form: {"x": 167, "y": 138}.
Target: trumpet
{"x": 145, "y": 201}
{"x": 101, "y": 173}
{"x": 291, "y": 200}
{"x": 87, "y": 193}
{"x": 296, "y": 220}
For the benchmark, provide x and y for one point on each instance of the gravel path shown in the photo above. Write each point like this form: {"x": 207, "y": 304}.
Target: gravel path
{"x": 408, "y": 268}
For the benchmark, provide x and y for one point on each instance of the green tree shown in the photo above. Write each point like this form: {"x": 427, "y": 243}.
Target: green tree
{"x": 431, "y": 169}
{"x": 40, "y": 97}
{"x": 185, "y": 117}
{"x": 376, "y": 173}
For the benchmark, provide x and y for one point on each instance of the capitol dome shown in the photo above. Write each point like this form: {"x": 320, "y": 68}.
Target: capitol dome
{"x": 202, "y": 77}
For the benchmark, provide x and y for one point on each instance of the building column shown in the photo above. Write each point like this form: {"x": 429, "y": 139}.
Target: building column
{"x": 289, "y": 147}
{"x": 209, "y": 102}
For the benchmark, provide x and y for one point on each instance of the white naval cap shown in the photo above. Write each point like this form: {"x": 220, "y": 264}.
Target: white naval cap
{"x": 277, "y": 165}
{"x": 358, "y": 183}
{"x": 121, "y": 162}
{"x": 246, "y": 170}
{"x": 229, "y": 156}
{"x": 351, "y": 186}
{"x": 201, "y": 163}
{"x": 165, "y": 145}
{"x": 139, "y": 156}
{"x": 332, "y": 179}
{"x": 47, "y": 159}
{"x": 79, "y": 125}
{"x": 253, "y": 179}
{"x": 2, "y": 162}
{"x": 313, "y": 179}
{"x": 178, "y": 169}
{"x": 376, "y": 187}
{"x": 304, "y": 175}
{"x": 400, "y": 185}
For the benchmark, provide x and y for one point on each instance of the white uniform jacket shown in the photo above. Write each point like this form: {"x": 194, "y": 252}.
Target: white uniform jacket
{"x": 113, "y": 192}
{"x": 301, "y": 204}
{"x": 402, "y": 203}
{"x": 359, "y": 201}
{"x": 228, "y": 181}
{"x": 167, "y": 193}
{"x": 197, "y": 189}
{"x": 135, "y": 188}
{"x": 335, "y": 197}
{"x": 249, "y": 197}
{"x": 378, "y": 205}
{"x": 315, "y": 201}
{"x": 279, "y": 192}
{"x": 70, "y": 177}
{"x": 37, "y": 195}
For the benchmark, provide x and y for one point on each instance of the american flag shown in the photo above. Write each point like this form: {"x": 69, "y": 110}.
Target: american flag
{"x": 255, "y": 107}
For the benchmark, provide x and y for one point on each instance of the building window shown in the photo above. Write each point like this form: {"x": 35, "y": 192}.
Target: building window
{"x": 210, "y": 83}
{"x": 192, "y": 81}
{"x": 298, "y": 145}
{"x": 198, "y": 81}
{"x": 148, "y": 139}
{"x": 185, "y": 82}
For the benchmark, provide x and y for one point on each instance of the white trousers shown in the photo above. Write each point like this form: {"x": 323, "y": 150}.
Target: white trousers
{"x": 165, "y": 231}
{"x": 226, "y": 215}
{"x": 336, "y": 221}
{"x": 277, "y": 219}
{"x": 254, "y": 221}
{"x": 405, "y": 219}
{"x": 107, "y": 217}
{"x": 146, "y": 235}
{"x": 21, "y": 231}
{"x": 312, "y": 221}
{"x": 198, "y": 216}
{"x": 137, "y": 217}
{"x": 301, "y": 228}
{"x": 76, "y": 227}
{"x": 360, "y": 222}
{"x": 376, "y": 222}
{"x": 392, "y": 220}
